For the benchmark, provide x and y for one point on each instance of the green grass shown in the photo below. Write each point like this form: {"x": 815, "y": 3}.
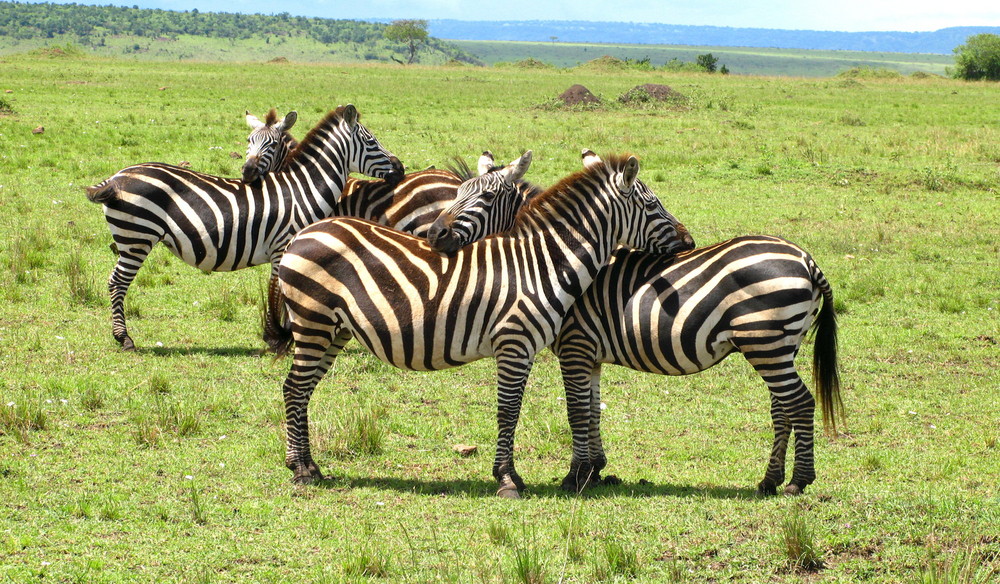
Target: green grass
{"x": 901, "y": 212}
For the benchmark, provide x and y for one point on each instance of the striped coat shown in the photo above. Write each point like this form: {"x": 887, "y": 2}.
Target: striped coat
{"x": 504, "y": 296}
{"x": 218, "y": 224}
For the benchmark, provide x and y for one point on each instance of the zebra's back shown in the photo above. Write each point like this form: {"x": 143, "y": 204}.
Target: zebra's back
{"x": 681, "y": 315}
{"x": 410, "y": 205}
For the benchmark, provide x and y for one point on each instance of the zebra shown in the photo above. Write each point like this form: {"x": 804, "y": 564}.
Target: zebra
{"x": 268, "y": 144}
{"x": 412, "y": 204}
{"x": 218, "y": 224}
{"x": 503, "y": 296}
{"x": 758, "y": 295}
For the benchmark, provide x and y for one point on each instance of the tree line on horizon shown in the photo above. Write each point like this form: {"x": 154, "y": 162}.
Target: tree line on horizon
{"x": 91, "y": 24}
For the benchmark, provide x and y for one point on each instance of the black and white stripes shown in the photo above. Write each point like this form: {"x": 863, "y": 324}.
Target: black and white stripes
{"x": 218, "y": 224}
{"x": 504, "y": 296}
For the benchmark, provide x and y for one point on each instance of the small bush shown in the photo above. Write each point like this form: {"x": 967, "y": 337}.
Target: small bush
{"x": 81, "y": 285}
{"x": 358, "y": 433}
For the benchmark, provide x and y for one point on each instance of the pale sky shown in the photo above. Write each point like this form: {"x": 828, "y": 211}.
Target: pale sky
{"x": 840, "y": 15}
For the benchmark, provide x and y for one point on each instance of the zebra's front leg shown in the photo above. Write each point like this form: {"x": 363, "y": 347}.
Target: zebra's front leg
{"x": 309, "y": 366}
{"x": 128, "y": 264}
{"x": 577, "y": 376}
{"x": 775, "y": 473}
{"x": 513, "y": 367}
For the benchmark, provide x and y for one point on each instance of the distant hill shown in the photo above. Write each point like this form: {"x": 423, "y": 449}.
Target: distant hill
{"x": 939, "y": 42}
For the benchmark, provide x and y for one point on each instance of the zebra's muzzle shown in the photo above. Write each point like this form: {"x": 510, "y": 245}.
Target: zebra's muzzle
{"x": 440, "y": 235}
{"x": 251, "y": 171}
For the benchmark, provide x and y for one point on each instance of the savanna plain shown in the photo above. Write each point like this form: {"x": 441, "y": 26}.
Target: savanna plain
{"x": 166, "y": 464}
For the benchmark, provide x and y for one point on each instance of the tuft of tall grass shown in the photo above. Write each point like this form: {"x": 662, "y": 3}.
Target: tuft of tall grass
{"x": 798, "y": 540}
{"x": 499, "y": 533}
{"x": 27, "y": 254}
{"x": 21, "y": 417}
{"x": 527, "y": 563}
{"x": 81, "y": 285}
{"x": 359, "y": 432}
{"x": 620, "y": 560}
{"x": 367, "y": 562}
{"x": 965, "y": 567}
{"x": 199, "y": 509}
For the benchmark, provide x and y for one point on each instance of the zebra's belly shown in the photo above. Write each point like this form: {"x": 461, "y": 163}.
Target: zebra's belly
{"x": 206, "y": 253}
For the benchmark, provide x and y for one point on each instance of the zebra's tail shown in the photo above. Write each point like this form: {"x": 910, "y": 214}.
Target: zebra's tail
{"x": 277, "y": 329}
{"x": 826, "y": 377}
{"x": 103, "y": 193}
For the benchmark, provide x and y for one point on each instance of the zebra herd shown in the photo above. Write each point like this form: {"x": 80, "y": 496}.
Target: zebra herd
{"x": 435, "y": 269}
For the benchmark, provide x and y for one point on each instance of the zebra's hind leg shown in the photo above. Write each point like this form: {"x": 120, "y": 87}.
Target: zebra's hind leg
{"x": 775, "y": 473}
{"x": 579, "y": 375}
{"x": 310, "y": 364}
{"x": 130, "y": 259}
{"x": 797, "y": 408}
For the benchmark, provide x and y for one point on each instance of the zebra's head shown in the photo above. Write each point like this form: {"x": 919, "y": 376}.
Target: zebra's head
{"x": 645, "y": 223}
{"x": 364, "y": 152}
{"x": 268, "y": 144}
{"x": 484, "y": 205}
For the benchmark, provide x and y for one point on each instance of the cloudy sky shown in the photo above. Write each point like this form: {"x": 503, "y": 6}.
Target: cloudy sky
{"x": 840, "y": 15}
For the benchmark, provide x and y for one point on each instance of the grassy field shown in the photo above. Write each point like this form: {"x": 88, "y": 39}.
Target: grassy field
{"x": 167, "y": 464}
{"x": 739, "y": 60}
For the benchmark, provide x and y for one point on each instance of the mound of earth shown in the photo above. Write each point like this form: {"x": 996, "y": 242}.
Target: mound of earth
{"x": 606, "y": 62}
{"x": 650, "y": 92}
{"x": 578, "y": 94}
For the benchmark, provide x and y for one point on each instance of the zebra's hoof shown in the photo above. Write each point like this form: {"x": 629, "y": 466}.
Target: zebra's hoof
{"x": 127, "y": 344}
{"x": 767, "y": 489}
{"x": 508, "y": 490}
{"x": 793, "y": 490}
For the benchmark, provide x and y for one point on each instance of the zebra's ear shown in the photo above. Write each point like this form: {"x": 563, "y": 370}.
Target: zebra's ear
{"x": 287, "y": 123}
{"x": 351, "y": 115}
{"x": 629, "y": 174}
{"x": 253, "y": 121}
{"x": 515, "y": 170}
{"x": 485, "y": 163}
{"x": 589, "y": 158}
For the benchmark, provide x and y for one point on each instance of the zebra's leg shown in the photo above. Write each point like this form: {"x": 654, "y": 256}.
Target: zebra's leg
{"x": 312, "y": 361}
{"x": 598, "y": 460}
{"x": 798, "y": 408}
{"x": 130, "y": 259}
{"x": 775, "y": 473}
{"x": 513, "y": 366}
{"x": 578, "y": 375}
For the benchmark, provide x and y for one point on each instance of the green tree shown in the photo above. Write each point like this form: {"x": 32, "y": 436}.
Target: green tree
{"x": 978, "y": 58}
{"x": 707, "y": 62}
{"x": 411, "y": 32}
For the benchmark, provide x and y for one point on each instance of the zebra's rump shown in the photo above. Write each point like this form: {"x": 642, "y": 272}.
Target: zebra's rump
{"x": 681, "y": 315}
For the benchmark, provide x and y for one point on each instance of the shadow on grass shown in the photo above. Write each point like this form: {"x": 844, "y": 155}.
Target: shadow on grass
{"x": 481, "y": 488}
{"x": 212, "y": 351}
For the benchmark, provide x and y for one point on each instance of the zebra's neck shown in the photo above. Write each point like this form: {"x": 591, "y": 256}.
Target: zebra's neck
{"x": 314, "y": 174}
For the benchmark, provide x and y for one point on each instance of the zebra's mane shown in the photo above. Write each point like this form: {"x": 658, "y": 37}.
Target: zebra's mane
{"x": 332, "y": 119}
{"x": 271, "y": 118}
{"x": 462, "y": 170}
{"x": 614, "y": 162}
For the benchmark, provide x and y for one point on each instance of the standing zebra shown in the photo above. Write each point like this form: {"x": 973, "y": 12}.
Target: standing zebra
{"x": 504, "y": 296}
{"x": 219, "y": 224}
{"x": 675, "y": 316}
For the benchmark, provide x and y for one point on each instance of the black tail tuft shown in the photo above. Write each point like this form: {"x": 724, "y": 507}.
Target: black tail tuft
{"x": 826, "y": 377}
{"x": 277, "y": 329}
{"x": 102, "y": 193}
